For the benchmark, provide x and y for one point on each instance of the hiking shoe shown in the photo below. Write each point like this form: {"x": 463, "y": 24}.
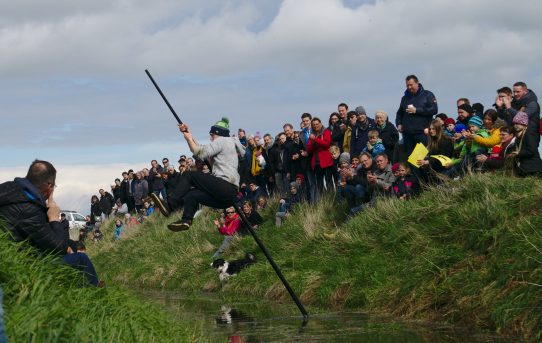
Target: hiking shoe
{"x": 180, "y": 225}
{"x": 160, "y": 204}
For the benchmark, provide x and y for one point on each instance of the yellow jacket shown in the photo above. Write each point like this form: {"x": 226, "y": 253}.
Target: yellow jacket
{"x": 346, "y": 140}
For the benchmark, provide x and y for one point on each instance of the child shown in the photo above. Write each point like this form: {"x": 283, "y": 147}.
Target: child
{"x": 467, "y": 156}
{"x": 287, "y": 204}
{"x": 374, "y": 145}
{"x": 261, "y": 203}
{"x": 228, "y": 225}
{"x": 449, "y": 125}
{"x": 97, "y": 235}
{"x": 406, "y": 185}
{"x": 458, "y": 139}
{"x": 118, "y": 229}
{"x": 335, "y": 154}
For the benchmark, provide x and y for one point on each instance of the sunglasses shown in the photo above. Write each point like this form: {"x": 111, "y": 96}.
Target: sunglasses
{"x": 228, "y": 212}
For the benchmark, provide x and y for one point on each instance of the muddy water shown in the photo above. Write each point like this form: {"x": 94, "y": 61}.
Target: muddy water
{"x": 266, "y": 322}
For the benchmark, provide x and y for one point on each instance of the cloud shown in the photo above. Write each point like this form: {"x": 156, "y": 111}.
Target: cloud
{"x": 73, "y": 70}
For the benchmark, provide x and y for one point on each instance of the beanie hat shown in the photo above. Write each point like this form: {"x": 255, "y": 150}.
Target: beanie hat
{"x": 395, "y": 167}
{"x": 521, "y": 118}
{"x": 361, "y": 110}
{"x": 478, "y": 108}
{"x": 460, "y": 127}
{"x": 467, "y": 108}
{"x": 221, "y": 128}
{"x": 476, "y": 121}
{"x": 449, "y": 121}
{"x": 344, "y": 158}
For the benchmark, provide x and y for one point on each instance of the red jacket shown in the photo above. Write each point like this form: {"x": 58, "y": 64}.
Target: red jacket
{"x": 231, "y": 225}
{"x": 320, "y": 145}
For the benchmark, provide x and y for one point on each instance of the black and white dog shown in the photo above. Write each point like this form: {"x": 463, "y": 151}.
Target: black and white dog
{"x": 226, "y": 269}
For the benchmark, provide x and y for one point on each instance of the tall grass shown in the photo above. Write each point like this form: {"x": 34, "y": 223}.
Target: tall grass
{"x": 468, "y": 252}
{"x": 45, "y": 301}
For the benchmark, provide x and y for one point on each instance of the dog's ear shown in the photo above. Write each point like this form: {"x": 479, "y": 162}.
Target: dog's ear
{"x": 250, "y": 256}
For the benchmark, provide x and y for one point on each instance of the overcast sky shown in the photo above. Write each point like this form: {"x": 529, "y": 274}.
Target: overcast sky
{"x": 74, "y": 91}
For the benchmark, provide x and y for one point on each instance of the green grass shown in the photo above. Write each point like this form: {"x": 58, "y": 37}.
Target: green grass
{"x": 468, "y": 253}
{"x": 45, "y": 301}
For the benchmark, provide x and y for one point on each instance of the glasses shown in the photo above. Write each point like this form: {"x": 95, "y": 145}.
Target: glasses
{"x": 165, "y": 161}
{"x": 230, "y": 212}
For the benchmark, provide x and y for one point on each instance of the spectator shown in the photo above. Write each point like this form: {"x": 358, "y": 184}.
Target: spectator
{"x": 124, "y": 188}
{"x": 261, "y": 203}
{"x": 286, "y": 205}
{"x": 347, "y": 137}
{"x": 340, "y": 127}
{"x": 157, "y": 184}
{"x": 526, "y": 101}
{"x": 439, "y": 144}
{"x": 467, "y": 157}
{"x": 380, "y": 181}
{"x": 417, "y": 108}
{"x": 406, "y": 185}
{"x": 97, "y": 235}
{"x": 269, "y": 174}
{"x": 120, "y": 208}
{"x": 148, "y": 207}
{"x": 140, "y": 190}
{"x": 280, "y": 162}
{"x": 95, "y": 209}
{"x": 527, "y": 161}
{"x": 118, "y": 229}
{"x": 387, "y": 132}
{"x": 321, "y": 161}
{"x": 130, "y": 221}
{"x": 116, "y": 189}
{"x": 374, "y": 145}
{"x": 253, "y": 217}
{"x": 334, "y": 124}
{"x": 255, "y": 192}
{"x": 64, "y": 222}
{"x": 106, "y": 204}
{"x": 228, "y": 226}
{"x": 492, "y": 124}
{"x": 449, "y": 124}
{"x": 464, "y": 113}
{"x": 31, "y": 214}
{"x": 495, "y": 159}
{"x": 360, "y": 132}
{"x": 130, "y": 191}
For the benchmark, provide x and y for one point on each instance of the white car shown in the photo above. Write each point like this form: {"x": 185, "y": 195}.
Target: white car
{"x": 77, "y": 221}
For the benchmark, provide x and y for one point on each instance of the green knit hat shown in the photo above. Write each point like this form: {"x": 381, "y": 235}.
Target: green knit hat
{"x": 221, "y": 127}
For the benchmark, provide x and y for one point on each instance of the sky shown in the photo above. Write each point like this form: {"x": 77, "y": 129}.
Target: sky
{"x": 74, "y": 91}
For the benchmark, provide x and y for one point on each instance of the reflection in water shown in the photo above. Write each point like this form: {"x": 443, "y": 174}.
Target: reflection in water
{"x": 270, "y": 322}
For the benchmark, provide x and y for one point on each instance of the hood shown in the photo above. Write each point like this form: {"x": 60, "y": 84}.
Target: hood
{"x": 18, "y": 191}
{"x": 527, "y": 98}
{"x": 407, "y": 93}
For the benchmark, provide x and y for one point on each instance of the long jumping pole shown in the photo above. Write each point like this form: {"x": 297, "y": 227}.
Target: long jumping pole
{"x": 246, "y": 222}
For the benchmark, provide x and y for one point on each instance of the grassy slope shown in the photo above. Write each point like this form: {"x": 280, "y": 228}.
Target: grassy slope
{"x": 44, "y": 302}
{"x": 470, "y": 253}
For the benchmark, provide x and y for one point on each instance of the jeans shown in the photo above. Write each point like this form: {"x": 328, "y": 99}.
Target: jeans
{"x": 162, "y": 192}
{"x": 225, "y": 244}
{"x": 351, "y": 193}
{"x": 80, "y": 261}
{"x": 279, "y": 217}
{"x": 3, "y": 338}
{"x": 282, "y": 183}
{"x": 195, "y": 188}
{"x": 311, "y": 185}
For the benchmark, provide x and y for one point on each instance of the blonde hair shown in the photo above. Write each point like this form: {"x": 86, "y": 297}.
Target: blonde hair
{"x": 334, "y": 150}
{"x": 381, "y": 113}
{"x": 373, "y": 134}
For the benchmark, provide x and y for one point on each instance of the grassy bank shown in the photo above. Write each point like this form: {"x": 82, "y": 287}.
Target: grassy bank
{"x": 469, "y": 253}
{"x": 46, "y": 302}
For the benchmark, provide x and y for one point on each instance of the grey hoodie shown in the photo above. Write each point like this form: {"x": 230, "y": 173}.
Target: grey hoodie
{"x": 223, "y": 152}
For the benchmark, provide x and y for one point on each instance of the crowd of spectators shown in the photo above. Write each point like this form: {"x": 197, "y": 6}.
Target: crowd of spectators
{"x": 357, "y": 157}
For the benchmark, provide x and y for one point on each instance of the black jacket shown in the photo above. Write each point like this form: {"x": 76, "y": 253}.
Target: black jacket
{"x": 106, "y": 203}
{"x": 390, "y": 137}
{"x": 25, "y": 214}
{"x": 426, "y": 107}
{"x": 529, "y": 161}
{"x": 280, "y": 159}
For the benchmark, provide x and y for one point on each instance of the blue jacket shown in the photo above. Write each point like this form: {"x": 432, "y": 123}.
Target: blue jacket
{"x": 359, "y": 138}
{"x": 426, "y": 107}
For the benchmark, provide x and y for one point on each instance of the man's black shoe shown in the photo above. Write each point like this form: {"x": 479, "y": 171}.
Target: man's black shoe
{"x": 180, "y": 225}
{"x": 160, "y": 204}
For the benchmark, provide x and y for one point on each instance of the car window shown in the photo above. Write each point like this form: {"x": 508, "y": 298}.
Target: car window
{"x": 78, "y": 217}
